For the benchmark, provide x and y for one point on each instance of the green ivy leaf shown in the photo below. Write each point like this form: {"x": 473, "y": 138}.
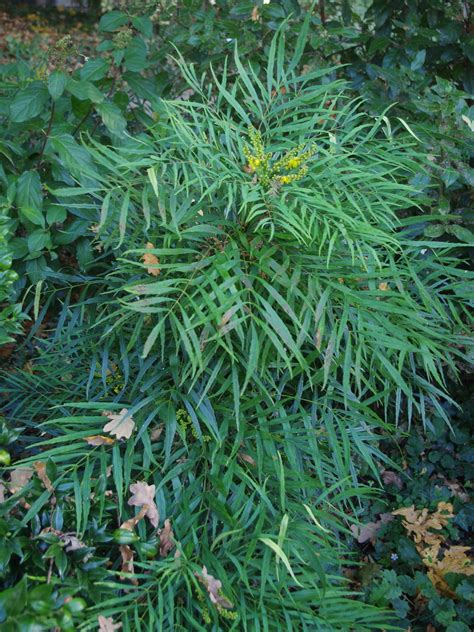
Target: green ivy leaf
{"x": 56, "y": 214}
{"x": 37, "y": 269}
{"x": 434, "y": 231}
{"x": 112, "y": 117}
{"x": 29, "y": 197}
{"x": 419, "y": 60}
{"x": 38, "y": 239}
{"x": 85, "y": 90}
{"x": 29, "y": 102}
{"x": 143, "y": 24}
{"x": 94, "y": 70}
{"x": 57, "y": 81}
{"x": 84, "y": 252}
{"x": 77, "y": 228}
{"x": 75, "y": 157}
{"x": 463, "y": 234}
{"x": 112, "y": 21}
{"x": 136, "y": 55}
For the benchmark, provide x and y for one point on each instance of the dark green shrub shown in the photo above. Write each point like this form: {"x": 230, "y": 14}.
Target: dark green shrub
{"x": 9, "y": 314}
{"x": 44, "y": 110}
{"x": 265, "y": 306}
{"x": 261, "y": 296}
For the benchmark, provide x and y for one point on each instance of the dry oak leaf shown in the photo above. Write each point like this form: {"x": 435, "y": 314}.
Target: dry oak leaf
{"x": 365, "y": 532}
{"x": 247, "y": 458}
{"x": 2, "y": 492}
{"x": 40, "y": 469}
{"x": 71, "y": 543}
{"x": 456, "y": 489}
{"x": 144, "y": 496}
{"x": 455, "y": 560}
{"x": 166, "y": 539}
{"x": 421, "y": 521}
{"x": 19, "y": 478}
{"x": 121, "y": 425}
{"x": 151, "y": 260}
{"x": 127, "y": 562}
{"x": 106, "y": 624}
{"x": 96, "y": 440}
{"x": 131, "y": 523}
{"x": 157, "y": 432}
{"x": 392, "y": 478}
{"x": 213, "y": 587}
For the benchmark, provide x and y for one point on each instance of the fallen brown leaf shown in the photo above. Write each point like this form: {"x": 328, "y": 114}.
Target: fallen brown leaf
{"x": 213, "y": 587}
{"x": 106, "y": 624}
{"x": 71, "y": 542}
{"x": 144, "y": 496}
{"x": 156, "y": 432}
{"x": 127, "y": 562}
{"x": 367, "y": 532}
{"x": 420, "y": 524}
{"x": 131, "y": 523}
{"x": 247, "y": 458}
{"x": 40, "y": 469}
{"x": 392, "y": 478}
{"x": 19, "y": 478}
{"x": 255, "y": 15}
{"x": 166, "y": 539}
{"x": 96, "y": 440}
{"x": 121, "y": 425}
{"x": 150, "y": 260}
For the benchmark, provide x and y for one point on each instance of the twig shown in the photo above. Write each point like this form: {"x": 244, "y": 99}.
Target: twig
{"x": 322, "y": 12}
{"x": 83, "y": 120}
{"x": 48, "y": 131}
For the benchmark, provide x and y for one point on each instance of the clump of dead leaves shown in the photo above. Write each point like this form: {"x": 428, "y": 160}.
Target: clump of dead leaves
{"x": 143, "y": 497}
{"x": 425, "y": 528}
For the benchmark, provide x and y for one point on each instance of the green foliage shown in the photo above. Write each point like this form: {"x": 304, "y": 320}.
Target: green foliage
{"x": 261, "y": 272}
{"x": 44, "y": 109}
{"x": 433, "y": 467}
{"x": 9, "y": 314}
{"x": 288, "y": 284}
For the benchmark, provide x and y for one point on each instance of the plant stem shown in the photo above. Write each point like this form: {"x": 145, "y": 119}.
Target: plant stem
{"x": 48, "y": 131}
{"x": 83, "y": 120}
{"x": 322, "y": 12}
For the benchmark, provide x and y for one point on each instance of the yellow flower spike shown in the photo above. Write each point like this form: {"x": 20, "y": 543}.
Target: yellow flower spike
{"x": 293, "y": 163}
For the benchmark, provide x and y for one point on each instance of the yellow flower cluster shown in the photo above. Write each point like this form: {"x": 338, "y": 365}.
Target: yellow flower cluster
{"x": 291, "y": 167}
{"x": 257, "y": 160}
{"x": 114, "y": 380}
{"x": 186, "y": 424}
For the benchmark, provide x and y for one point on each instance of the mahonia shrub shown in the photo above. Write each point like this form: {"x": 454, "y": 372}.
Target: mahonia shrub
{"x": 283, "y": 254}
{"x": 219, "y": 394}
